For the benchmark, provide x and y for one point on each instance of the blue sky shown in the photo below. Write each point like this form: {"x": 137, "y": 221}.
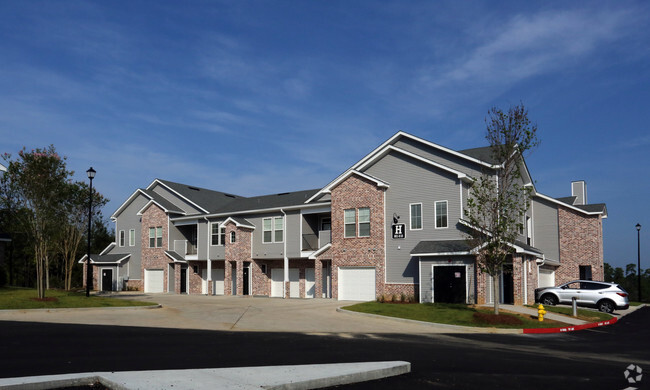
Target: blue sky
{"x": 258, "y": 97}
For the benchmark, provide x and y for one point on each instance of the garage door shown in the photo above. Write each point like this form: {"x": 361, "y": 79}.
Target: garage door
{"x": 546, "y": 277}
{"x": 153, "y": 280}
{"x": 217, "y": 281}
{"x": 356, "y": 283}
{"x": 277, "y": 279}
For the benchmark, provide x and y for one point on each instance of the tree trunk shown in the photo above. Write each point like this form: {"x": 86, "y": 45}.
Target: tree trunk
{"x": 47, "y": 272}
{"x": 495, "y": 292}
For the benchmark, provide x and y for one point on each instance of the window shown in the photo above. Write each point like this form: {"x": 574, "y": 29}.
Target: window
{"x": 585, "y": 272}
{"x": 122, "y": 238}
{"x": 132, "y": 237}
{"x": 155, "y": 237}
{"x": 214, "y": 233}
{"x": 233, "y": 237}
{"x": 441, "y": 214}
{"x": 364, "y": 222}
{"x": 273, "y": 230}
{"x": 350, "y": 221}
{"x": 416, "y": 216}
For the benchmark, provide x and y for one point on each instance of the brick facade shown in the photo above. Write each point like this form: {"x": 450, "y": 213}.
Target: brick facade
{"x": 155, "y": 258}
{"x": 581, "y": 243}
{"x": 354, "y": 193}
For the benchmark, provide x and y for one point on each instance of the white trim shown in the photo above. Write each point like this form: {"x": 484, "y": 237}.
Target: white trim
{"x": 121, "y": 238}
{"x": 257, "y": 211}
{"x": 321, "y": 250}
{"x": 237, "y": 224}
{"x": 435, "y": 214}
{"x": 146, "y": 206}
{"x": 101, "y": 278}
{"x": 359, "y": 222}
{"x": 461, "y": 253}
{"x": 108, "y": 248}
{"x": 177, "y": 194}
{"x": 411, "y": 216}
{"x": 548, "y": 198}
{"x": 131, "y": 242}
{"x": 433, "y": 299}
{"x": 118, "y": 261}
{"x": 346, "y": 223}
{"x": 346, "y": 175}
{"x": 128, "y": 201}
{"x": 273, "y": 230}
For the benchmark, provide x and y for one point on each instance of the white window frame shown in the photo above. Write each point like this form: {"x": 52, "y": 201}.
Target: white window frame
{"x": 276, "y": 230}
{"x": 411, "y": 216}
{"x": 212, "y": 234}
{"x": 345, "y": 224}
{"x": 359, "y": 222}
{"x": 273, "y": 229}
{"x": 159, "y": 237}
{"x": 131, "y": 237}
{"x": 152, "y": 235}
{"x": 122, "y": 238}
{"x": 270, "y": 230}
{"x": 233, "y": 237}
{"x": 435, "y": 211}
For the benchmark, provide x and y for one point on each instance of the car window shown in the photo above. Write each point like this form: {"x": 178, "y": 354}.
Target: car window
{"x": 573, "y": 286}
{"x": 593, "y": 286}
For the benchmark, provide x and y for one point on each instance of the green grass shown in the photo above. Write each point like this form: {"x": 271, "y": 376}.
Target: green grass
{"x": 584, "y": 315}
{"x": 452, "y": 314}
{"x": 23, "y": 298}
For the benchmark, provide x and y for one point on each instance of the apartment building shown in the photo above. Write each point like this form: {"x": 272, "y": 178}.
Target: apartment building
{"x": 390, "y": 224}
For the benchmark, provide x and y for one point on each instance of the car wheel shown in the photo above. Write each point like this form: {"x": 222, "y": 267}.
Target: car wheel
{"x": 606, "y": 306}
{"x": 548, "y": 300}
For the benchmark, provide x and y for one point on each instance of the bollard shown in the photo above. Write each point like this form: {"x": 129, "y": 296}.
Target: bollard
{"x": 574, "y": 303}
{"x": 540, "y": 313}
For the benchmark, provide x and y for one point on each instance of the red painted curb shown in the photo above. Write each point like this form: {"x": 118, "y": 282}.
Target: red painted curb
{"x": 571, "y": 328}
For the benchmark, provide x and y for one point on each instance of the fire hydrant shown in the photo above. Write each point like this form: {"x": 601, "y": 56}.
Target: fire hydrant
{"x": 540, "y": 313}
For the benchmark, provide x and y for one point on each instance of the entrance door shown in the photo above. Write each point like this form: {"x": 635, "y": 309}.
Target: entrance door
{"x": 107, "y": 279}
{"x": 327, "y": 279}
{"x": 507, "y": 284}
{"x": 246, "y": 284}
{"x": 449, "y": 284}
{"x": 183, "y": 280}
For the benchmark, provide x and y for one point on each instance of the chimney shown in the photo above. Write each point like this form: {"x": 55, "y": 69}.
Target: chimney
{"x": 579, "y": 190}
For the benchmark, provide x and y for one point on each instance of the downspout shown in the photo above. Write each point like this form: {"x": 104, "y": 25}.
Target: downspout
{"x": 207, "y": 256}
{"x": 284, "y": 252}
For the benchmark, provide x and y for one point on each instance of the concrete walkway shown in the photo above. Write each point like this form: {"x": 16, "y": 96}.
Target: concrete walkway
{"x": 242, "y": 378}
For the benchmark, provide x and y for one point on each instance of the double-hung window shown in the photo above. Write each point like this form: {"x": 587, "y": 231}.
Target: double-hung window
{"x": 214, "y": 233}
{"x": 155, "y": 237}
{"x": 233, "y": 237}
{"x": 416, "y": 216}
{"x": 122, "y": 238}
{"x": 132, "y": 237}
{"x": 441, "y": 214}
{"x": 350, "y": 223}
{"x": 364, "y": 222}
{"x": 273, "y": 230}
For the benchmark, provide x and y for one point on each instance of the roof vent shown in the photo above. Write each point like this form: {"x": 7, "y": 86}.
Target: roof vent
{"x": 284, "y": 193}
{"x": 230, "y": 196}
{"x": 194, "y": 188}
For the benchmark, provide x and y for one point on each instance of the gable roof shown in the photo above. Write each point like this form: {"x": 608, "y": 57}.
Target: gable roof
{"x": 208, "y": 201}
{"x": 273, "y": 201}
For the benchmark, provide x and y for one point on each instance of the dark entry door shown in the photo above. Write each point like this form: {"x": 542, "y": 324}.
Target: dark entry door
{"x": 246, "y": 281}
{"x": 107, "y": 280}
{"x": 508, "y": 285}
{"x": 449, "y": 284}
{"x": 183, "y": 280}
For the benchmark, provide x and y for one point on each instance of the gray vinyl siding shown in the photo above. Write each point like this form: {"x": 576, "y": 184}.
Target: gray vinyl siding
{"x": 127, "y": 220}
{"x": 175, "y": 200}
{"x": 292, "y": 233}
{"x": 216, "y": 252}
{"x": 273, "y": 250}
{"x": 412, "y": 181}
{"x": 447, "y": 159}
{"x": 202, "y": 232}
{"x": 546, "y": 235}
{"x": 426, "y": 278}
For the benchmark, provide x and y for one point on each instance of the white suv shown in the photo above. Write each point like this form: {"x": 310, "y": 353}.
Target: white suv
{"x": 607, "y": 297}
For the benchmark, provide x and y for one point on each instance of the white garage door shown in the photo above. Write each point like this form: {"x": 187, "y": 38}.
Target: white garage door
{"x": 294, "y": 283}
{"x": 217, "y": 281}
{"x": 546, "y": 277}
{"x": 356, "y": 283}
{"x": 277, "y": 279}
{"x": 310, "y": 282}
{"x": 153, "y": 280}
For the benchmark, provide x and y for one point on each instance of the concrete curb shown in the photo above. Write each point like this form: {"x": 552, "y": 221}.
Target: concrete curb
{"x": 459, "y": 328}
{"x": 154, "y": 306}
{"x": 298, "y": 377}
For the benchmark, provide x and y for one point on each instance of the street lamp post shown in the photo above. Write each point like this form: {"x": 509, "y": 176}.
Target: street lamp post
{"x": 89, "y": 271}
{"x": 638, "y": 251}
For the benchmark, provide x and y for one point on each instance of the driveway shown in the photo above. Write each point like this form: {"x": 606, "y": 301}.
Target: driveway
{"x": 230, "y": 313}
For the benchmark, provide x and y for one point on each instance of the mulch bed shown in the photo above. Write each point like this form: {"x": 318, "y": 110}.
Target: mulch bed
{"x": 46, "y": 299}
{"x": 494, "y": 319}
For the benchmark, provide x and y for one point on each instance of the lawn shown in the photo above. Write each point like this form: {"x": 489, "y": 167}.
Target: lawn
{"x": 453, "y": 314}
{"x": 583, "y": 314}
{"x": 24, "y": 298}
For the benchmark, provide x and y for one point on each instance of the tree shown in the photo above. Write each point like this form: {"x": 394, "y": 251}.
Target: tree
{"x": 74, "y": 228}
{"x": 500, "y": 197}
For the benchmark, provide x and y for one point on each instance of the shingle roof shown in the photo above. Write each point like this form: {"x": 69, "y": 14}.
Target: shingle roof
{"x": 175, "y": 256}
{"x": 442, "y": 246}
{"x": 593, "y": 208}
{"x": 207, "y": 199}
{"x": 167, "y": 205}
{"x": 528, "y": 248}
{"x": 109, "y": 259}
{"x": 268, "y": 201}
{"x": 483, "y": 153}
{"x": 567, "y": 199}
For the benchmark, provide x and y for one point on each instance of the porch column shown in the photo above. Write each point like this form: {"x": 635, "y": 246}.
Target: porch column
{"x": 209, "y": 272}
